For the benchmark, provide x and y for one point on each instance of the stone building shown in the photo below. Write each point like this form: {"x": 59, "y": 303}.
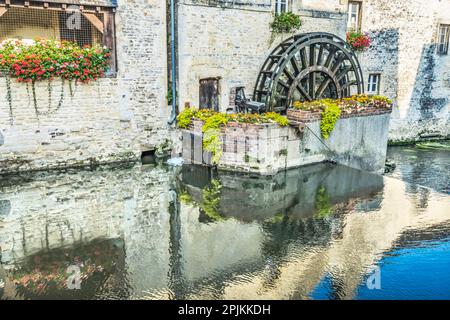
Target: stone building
{"x": 222, "y": 45}
{"x": 115, "y": 118}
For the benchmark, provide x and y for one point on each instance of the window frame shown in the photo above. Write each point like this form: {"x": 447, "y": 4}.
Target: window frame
{"x": 279, "y": 4}
{"x": 358, "y": 15}
{"x": 109, "y": 28}
{"x": 443, "y": 39}
{"x": 377, "y": 83}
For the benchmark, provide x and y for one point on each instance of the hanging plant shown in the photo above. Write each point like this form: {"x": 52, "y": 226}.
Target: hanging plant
{"x": 286, "y": 22}
{"x": 359, "y": 41}
{"x": 43, "y": 59}
{"x": 9, "y": 98}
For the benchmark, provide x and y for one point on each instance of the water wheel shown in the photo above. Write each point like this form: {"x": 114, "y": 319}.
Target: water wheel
{"x": 308, "y": 67}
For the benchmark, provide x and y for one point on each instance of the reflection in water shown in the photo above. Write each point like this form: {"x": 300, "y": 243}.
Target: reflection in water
{"x": 191, "y": 233}
{"x": 423, "y": 166}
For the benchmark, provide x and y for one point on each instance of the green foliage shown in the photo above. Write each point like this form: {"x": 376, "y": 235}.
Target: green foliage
{"x": 212, "y": 144}
{"x": 349, "y": 104}
{"x": 323, "y": 205}
{"x": 185, "y": 117}
{"x": 186, "y": 198}
{"x": 214, "y": 122}
{"x": 286, "y": 22}
{"x": 330, "y": 116}
{"x": 211, "y": 200}
{"x": 211, "y": 138}
{"x": 281, "y": 120}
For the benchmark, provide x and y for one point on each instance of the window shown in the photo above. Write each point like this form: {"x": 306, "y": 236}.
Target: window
{"x": 443, "y": 39}
{"x": 82, "y": 25}
{"x": 354, "y": 15}
{"x": 373, "y": 86}
{"x": 209, "y": 94}
{"x": 281, "y": 6}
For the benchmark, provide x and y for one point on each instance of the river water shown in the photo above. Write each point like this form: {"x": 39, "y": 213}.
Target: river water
{"x": 156, "y": 232}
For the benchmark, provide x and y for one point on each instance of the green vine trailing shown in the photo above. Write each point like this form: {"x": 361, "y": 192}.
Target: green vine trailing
{"x": 211, "y": 200}
{"x": 211, "y": 138}
{"x": 286, "y": 22}
{"x": 9, "y": 98}
{"x": 210, "y": 203}
{"x": 330, "y": 116}
{"x": 323, "y": 207}
{"x": 213, "y": 121}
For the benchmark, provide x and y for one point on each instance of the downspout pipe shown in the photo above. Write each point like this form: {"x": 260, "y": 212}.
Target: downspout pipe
{"x": 173, "y": 116}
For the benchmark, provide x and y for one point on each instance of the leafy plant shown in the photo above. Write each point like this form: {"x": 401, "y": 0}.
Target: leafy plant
{"x": 282, "y": 121}
{"x": 286, "y": 22}
{"x": 323, "y": 205}
{"x": 358, "y": 41}
{"x": 184, "y": 119}
{"x": 211, "y": 200}
{"x": 350, "y": 104}
{"x": 330, "y": 116}
{"x": 44, "y": 59}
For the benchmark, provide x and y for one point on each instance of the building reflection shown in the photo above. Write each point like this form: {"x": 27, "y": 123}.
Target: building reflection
{"x": 161, "y": 233}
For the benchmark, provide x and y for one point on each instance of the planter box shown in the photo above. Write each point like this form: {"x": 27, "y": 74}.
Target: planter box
{"x": 358, "y": 140}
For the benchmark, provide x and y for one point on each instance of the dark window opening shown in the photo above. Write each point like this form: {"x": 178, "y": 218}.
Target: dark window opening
{"x": 209, "y": 94}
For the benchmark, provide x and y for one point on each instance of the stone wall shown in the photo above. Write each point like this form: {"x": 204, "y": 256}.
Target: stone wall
{"x": 110, "y": 120}
{"x": 412, "y": 73}
{"x": 231, "y": 42}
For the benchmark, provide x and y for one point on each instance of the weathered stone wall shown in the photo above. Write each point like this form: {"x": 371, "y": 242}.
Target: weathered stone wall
{"x": 232, "y": 41}
{"x": 412, "y": 73}
{"x": 109, "y": 120}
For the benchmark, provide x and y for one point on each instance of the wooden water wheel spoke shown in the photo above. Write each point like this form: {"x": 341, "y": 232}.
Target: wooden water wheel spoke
{"x": 343, "y": 72}
{"x": 295, "y": 65}
{"x": 322, "y": 87}
{"x": 307, "y": 67}
{"x": 320, "y": 55}
{"x": 303, "y": 58}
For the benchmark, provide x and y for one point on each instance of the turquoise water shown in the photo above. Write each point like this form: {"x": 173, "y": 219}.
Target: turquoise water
{"x": 155, "y": 232}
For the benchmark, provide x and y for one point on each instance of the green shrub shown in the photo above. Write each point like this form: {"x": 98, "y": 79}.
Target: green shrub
{"x": 185, "y": 117}
{"x": 282, "y": 121}
{"x": 286, "y": 22}
{"x": 330, "y": 116}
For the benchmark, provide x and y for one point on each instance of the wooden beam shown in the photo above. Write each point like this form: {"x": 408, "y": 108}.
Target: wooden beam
{"x": 3, "y": 11}
{"x": 96, "y": 22}
{"x": 109, "y": 38}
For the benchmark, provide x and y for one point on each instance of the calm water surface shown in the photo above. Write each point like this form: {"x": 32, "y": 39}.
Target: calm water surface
{"x": 154, "y": 232}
